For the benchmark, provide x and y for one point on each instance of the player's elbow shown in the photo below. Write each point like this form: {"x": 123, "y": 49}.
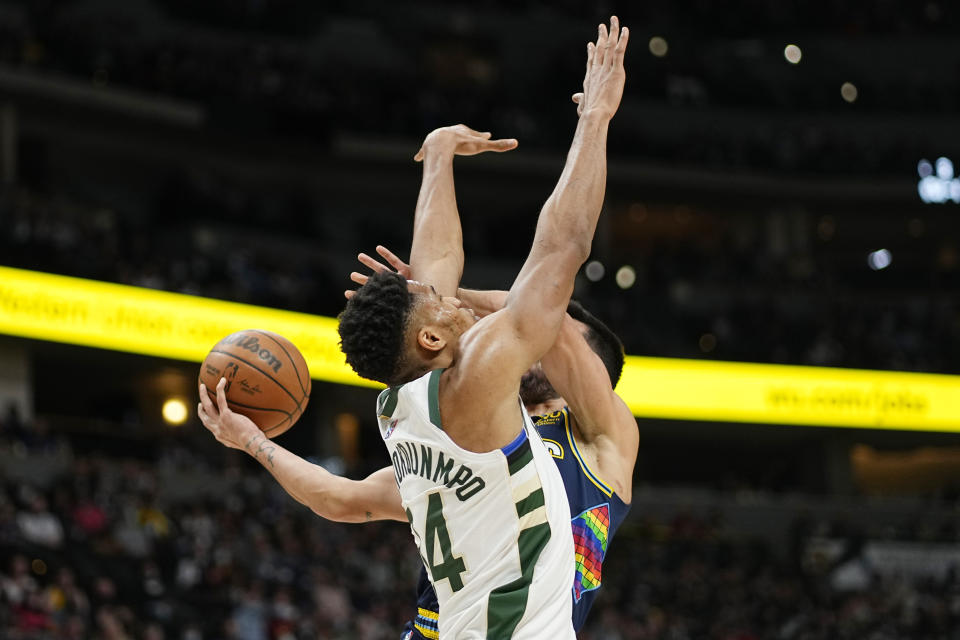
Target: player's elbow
{"x": 334, "y": 504}
{"x": 567, "y": 250}
{"x": 336, "y": 510}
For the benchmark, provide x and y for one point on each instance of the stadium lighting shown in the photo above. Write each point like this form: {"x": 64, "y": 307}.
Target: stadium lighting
{"x": 938, "y": 187}
{"x": 792, "y": 53}
{"x": 849, "y": 92}
{"x": 594, "y": 270}
{"x": 658, "y": 46}
{"x": 879, "y": 259}
{"x": 174, "y": 411}
{"x": 626, "y": 277}
{"x": 944, "y": 169}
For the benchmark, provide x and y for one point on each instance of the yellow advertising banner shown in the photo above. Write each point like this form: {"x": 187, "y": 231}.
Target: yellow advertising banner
{"x": 172, "y": 325}
{"x": 156, "y": 323}
{"x": 781, "y": 394}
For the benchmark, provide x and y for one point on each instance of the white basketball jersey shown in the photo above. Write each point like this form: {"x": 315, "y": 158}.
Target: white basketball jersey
{"x": 493, "y": 528}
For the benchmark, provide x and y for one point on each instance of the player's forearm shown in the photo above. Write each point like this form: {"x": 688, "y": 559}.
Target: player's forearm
{"x": 564, "y": 231}
{"x": 309, "y": 484}
{"x": 483, "y": 302}
{"x": 570, "y": 214}
{"x": 436, "y": 253}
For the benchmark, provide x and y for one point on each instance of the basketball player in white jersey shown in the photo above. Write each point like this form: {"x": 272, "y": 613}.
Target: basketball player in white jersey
{"x": 485, "y": 503}
{"x": 484, "y": 500}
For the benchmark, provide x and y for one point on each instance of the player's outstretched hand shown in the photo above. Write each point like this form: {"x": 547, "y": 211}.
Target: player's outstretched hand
{"x": 399, "y": 266}
{"x": 604, "y": 79}
{"x": 229, "y": 428}
{"x": 463, "y": 141}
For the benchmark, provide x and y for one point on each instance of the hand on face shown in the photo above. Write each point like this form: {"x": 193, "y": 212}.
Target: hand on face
{"x": 399, "y": 266}
{"x": 461, "y": 140}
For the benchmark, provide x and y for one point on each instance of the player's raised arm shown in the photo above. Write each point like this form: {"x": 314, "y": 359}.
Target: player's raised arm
{"x": 583, "y": 366}
{"x": 538, "y": 299}
{"x": 436, "y": 253}
{"x": 329, "y": 496}
{"x": 539, "y": 296}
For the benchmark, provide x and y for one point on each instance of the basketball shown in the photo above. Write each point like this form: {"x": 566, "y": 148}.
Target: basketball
{"x": 267, "y": 378}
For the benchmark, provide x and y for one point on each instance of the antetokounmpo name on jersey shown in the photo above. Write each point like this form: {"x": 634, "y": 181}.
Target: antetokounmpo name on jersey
{"x": 423, "y": 461}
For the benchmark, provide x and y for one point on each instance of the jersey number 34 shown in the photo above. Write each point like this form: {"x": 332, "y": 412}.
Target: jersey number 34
{"x": 435, "y": 532}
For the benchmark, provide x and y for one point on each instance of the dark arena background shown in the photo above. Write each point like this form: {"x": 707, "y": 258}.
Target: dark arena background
{"x": 781, "y": 192}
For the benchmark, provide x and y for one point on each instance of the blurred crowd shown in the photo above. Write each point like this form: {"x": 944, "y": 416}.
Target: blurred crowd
{"x": 108, "y": 550}
{"x": 680, "y": 584}
{"x": 60, "y": 235}
{"x": 104, "y": 553}
{"x": 279, "y": 68}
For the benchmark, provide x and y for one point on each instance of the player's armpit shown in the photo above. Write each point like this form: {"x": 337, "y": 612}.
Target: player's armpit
{"x": 578, "y": 374}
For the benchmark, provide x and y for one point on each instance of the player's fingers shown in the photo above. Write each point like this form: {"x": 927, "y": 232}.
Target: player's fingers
{"x": 205, "y": 401}
{"x": 591, "y": 51}
{"x": 418, "y": 156}
{"x": 502, "y": 145}
{"x": 204, "y": 418}
{"x": 578, "y": 100}
{"x": 207, "y": 420}
{"x": 622, "y": 43}
{"x": 222, "y": 396}
{"x": 612, "y": 38}
{"x": 391, "y": 258}
{"x": 349, "y": 293}
{"x": 359, "y": 278}
{"x": 371, "y": 262}
{"x": 601, "y": 45}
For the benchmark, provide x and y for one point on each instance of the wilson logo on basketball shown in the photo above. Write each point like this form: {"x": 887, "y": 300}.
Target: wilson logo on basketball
{"x": 267, "y": 378}
{"x": 252, "y": 344}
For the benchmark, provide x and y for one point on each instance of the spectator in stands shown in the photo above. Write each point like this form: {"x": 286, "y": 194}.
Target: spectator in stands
{"x": 39, "y": 526}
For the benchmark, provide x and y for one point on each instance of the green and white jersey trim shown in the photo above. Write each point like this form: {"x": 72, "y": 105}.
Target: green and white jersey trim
{"x": 492, "y": 528}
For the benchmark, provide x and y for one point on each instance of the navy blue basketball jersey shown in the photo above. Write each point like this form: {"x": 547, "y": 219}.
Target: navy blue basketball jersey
{"x": 596, "y": 510}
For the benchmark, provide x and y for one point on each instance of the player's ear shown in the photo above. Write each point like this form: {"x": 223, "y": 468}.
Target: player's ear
{"x": 429, "y": 338}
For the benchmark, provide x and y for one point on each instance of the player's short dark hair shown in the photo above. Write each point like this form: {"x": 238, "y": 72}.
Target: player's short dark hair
{"x": 373, "y": 325}
{"x": 602, "y": 340}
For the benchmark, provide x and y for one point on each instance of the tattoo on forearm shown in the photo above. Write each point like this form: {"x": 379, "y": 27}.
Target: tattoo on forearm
{"x": 258, "y": 445}
{"x": 369, "y": 516}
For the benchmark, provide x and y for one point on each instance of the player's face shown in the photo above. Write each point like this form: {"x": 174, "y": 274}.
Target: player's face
{"x": 446, "y": 311}
{"x": 535, "y": 389}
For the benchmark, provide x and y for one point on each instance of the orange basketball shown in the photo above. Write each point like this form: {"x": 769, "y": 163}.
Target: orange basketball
{"x": 267, "y": 378}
